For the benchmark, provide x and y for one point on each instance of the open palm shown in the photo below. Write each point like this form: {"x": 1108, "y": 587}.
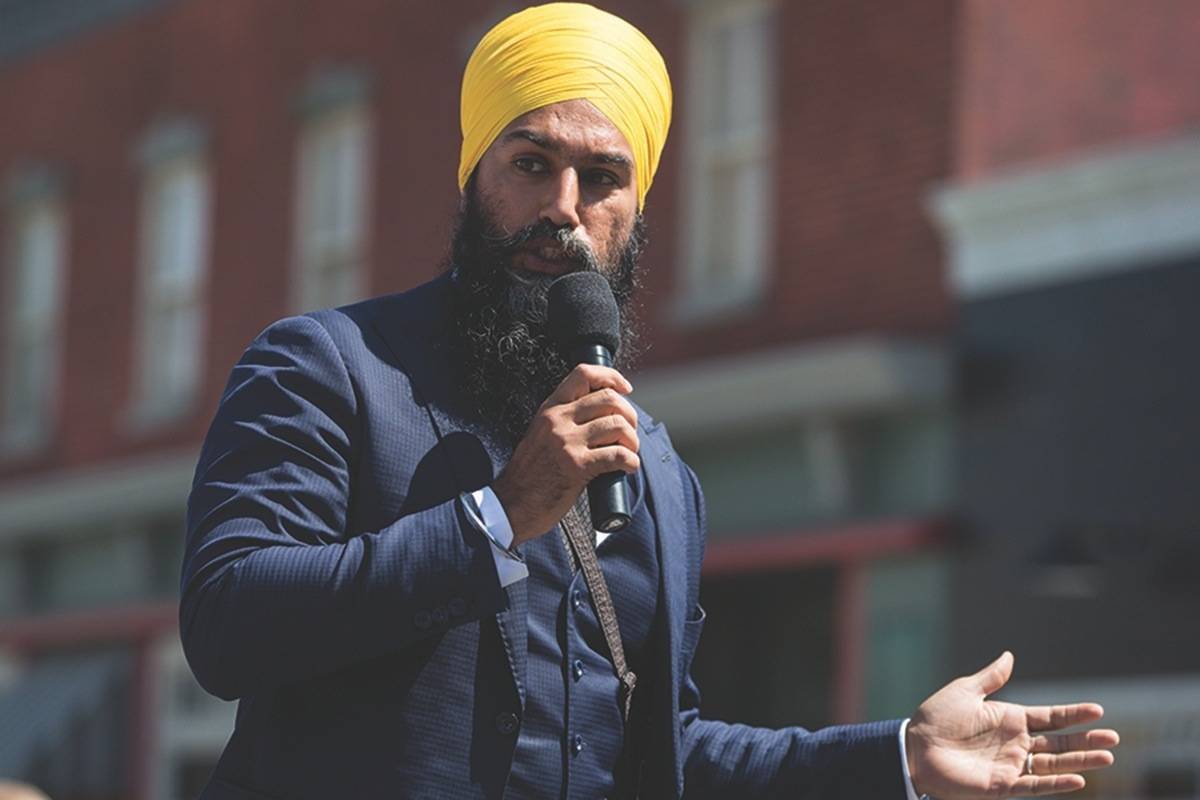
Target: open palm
{"x": 962, "y": 745}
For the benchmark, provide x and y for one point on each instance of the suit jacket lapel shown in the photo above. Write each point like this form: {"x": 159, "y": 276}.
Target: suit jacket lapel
{"x": 666, "y": 498}
{"x": 416, "y": 331}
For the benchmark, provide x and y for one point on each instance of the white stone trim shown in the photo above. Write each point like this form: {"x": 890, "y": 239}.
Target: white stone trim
{"x": 768, "y": 388}
{"x": 76, "y": 501}
{"x": 1107, "y": 213}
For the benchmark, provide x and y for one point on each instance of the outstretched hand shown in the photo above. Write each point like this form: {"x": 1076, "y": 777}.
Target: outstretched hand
{"x": 962, "y": 745}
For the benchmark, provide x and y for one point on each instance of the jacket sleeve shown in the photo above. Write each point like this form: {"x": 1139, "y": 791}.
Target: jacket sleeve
{"x": 273, "y": 589}
{"x": 721, "y": 759}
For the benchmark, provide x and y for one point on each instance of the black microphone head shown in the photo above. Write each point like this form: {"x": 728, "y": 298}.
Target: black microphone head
{"x": 582, "y": 311}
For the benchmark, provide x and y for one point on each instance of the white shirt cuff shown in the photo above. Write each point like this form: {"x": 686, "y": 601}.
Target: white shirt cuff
{"x": 490, "y": 516}
{"x": 908, "y": 784}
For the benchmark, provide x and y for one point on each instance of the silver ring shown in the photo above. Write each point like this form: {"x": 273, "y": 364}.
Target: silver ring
{"x": 1029, "y": 763}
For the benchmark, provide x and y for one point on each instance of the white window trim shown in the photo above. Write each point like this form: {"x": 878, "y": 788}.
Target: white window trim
{"x": 171, "y": 145}
{"x": 833, "y": 377}
{"x": 69, "y": 503}
{"x": 33, "y": 189}
{"x": 698, "y": 301}
{"x": 1129, "y": 208}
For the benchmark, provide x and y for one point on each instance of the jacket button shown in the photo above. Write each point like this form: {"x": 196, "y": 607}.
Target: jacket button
{"x": 577, "y": 669}
{"x": 457, "y": 607}
{"x": 440, "y": 616}
{"x": 506, "y": 723}
{"x": 423, "y": 620}
{"x": 576, "y": 599}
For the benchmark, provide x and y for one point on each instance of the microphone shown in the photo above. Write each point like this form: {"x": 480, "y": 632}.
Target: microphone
{"x": 583, "y": 320}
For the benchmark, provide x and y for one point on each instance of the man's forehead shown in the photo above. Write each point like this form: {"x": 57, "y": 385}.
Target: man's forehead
{"x": 570, "y": 125}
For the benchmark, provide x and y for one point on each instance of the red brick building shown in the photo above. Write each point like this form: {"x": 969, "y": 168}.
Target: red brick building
{"x": 179, "y": 173}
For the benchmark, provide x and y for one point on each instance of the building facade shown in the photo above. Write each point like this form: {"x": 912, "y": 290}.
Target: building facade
{"x": 1073, "y": 248}
{"x": 849, "y": 298}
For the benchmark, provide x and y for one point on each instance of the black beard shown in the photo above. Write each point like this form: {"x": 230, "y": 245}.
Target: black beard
{"x": 506, "y": 364}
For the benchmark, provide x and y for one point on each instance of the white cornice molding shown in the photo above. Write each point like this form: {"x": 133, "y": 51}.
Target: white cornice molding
{"x": 766, "y": 388}
{"x": 69, "y": 503}
{"x": 698, "y": 399}
{"x": 1106, "y": 213}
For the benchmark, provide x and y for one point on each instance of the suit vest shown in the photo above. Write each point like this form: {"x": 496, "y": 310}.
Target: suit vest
{"x": 572, "y": 735}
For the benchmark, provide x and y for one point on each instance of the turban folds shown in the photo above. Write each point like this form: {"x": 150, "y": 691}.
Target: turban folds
{"x": 566, "y": 51}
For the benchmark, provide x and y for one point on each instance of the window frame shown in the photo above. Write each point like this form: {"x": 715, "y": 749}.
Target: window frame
{"x": 33, "y": 192}
{"x": 335, "y": 103}
{"x": 701, "y": 295}
{"x": 173, "y": 150}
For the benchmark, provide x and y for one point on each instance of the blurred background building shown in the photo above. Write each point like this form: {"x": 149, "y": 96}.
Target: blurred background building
{"x": 921, "y": 303}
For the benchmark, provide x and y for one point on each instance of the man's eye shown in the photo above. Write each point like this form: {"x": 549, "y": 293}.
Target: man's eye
{"x": 602, "y": 178}
{"x": 529, "y": 165}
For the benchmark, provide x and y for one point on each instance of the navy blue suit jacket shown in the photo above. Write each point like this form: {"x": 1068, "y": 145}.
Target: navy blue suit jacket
{"x": 333, "y": 585}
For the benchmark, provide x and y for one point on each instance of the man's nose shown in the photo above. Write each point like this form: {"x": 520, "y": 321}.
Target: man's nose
{"x": 561, "y": 206}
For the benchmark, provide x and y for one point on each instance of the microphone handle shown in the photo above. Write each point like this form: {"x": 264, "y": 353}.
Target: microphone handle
{"x": 608, "y": 497}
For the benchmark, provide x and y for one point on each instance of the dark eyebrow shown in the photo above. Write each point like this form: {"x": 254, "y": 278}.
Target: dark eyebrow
{"x": 613, "y": 158}
{"x": 524, "y": 133}
{"x": 616, "y": 159}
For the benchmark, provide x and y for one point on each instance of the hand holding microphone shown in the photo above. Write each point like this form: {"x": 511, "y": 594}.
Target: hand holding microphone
{"x": 585, "y": 433}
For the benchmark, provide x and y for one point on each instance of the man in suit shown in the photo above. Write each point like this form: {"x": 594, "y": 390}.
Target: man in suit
{"x": 374, "y": 564}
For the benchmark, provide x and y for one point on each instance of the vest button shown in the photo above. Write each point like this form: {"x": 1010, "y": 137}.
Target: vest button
{"x": 577, "y": 669}
{"x": 423, "y": 620}
{"x": 506, "y": 723}
{"x": 576, "y": 745}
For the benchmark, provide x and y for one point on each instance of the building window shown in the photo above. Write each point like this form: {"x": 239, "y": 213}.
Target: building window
{"x": 331, "y": 211}
{"x": 174, "y": 263}
{"x": 728, "y": 231}
{"x": 34, "y": 291}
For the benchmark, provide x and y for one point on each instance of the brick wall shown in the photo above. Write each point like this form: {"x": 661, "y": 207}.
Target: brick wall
{"x": 863, "y": 131}
{"x": 864, "y": 114}
{"x": 1045, "y": 80}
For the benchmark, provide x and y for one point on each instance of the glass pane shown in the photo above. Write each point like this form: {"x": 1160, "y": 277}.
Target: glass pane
{"x": 749, "y": 223}
{"x": 322, "y": 202}
{"x": 38, "y": 267}
{"x": 11, "y": 583}
{"x": 27, "y": 384}
{"x": 335, "y": 163}
{"x": 716, "y": 86}
{"x": 154, "y": 355}
{"x": 180, "y": 222}
{"x": 351, "y": 152}
{"x": 94, "y": 571}
{"x": 749, "y": 71}
{"x": 180, "y": 348}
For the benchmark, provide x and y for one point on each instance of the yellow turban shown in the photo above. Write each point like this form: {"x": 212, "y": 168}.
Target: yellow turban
{"x": 567, "y": 51}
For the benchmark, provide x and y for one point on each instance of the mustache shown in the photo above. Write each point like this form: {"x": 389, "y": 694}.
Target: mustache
{"x": 570, "y": 245}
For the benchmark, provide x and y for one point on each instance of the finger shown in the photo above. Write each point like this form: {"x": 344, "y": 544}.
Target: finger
{"x": 993, "y": 677}
{"x": 611, "y": 430}
{"x": 1071, "y": 762}
{"x": 602, "y": 403}
{"x": 587, "y": 378}
{"x": 615, "y": 457}
{"x": 1066, "y": 743}
{"x": 1053, "y": 718}
{"x": 1032, "y": 785}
